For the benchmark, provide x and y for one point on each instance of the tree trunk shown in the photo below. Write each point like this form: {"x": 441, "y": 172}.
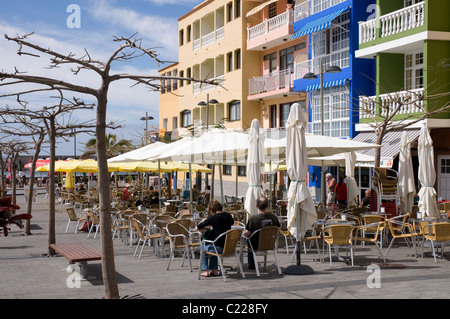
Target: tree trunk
{"x": 51, "y": 189}
{"x": 27, "y": 228}
{"x": 107, "y": 251}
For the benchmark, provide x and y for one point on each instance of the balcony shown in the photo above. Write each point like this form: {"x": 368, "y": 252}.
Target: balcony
{"x": 204, "y": 87}
{"x": 271, "y": 32}
{"x": 408, "y": 102}
{"x": 392, "y": 23}
{"x": 209, "y": 38}
{"x": 276, "y": 83}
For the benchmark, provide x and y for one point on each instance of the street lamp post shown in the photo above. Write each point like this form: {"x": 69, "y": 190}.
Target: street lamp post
{"x": 313, "y": 76}
{"x": 146, "y": 118}
{"x": 203, "y": 103}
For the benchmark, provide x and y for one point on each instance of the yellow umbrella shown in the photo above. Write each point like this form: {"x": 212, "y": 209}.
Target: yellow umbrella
{"x": 46, "y": 167}
{"x": 136, "y": 167}
{"x": 184, "y": 167}
{"x": 70, "y": 182}
{"x": 271, "y": 168}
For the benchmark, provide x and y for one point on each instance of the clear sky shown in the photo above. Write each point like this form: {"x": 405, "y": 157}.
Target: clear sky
{"x": 65, "y": 29}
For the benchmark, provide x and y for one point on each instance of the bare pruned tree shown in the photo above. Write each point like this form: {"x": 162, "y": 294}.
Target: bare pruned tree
{"x": 400, "y": 110}
{"x": 129, "y": 48}
{"x": 53, "y": 122}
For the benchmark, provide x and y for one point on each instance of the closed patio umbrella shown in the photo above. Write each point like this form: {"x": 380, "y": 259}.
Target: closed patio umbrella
{"x": 406, "y": 186}
{"x": 352, "y": 187}
{"x": 300, "y": 207}
{"x": 255, "y": 166}
{"x": 427, "y": 174}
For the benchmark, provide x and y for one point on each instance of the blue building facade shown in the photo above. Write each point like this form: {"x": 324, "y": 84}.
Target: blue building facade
{"x": 332, "y": 28}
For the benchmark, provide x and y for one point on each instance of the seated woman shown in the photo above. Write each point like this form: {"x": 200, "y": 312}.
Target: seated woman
{"x": 217, "y": 223}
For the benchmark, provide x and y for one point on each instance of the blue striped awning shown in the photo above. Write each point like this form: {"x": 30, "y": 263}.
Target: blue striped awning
{"x": 319, "y": 24}
{"x": 328, "y": 84}
{"x": 390, "y": 146}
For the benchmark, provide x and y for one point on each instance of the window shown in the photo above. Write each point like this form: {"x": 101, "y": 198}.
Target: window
{"x": 165, "y": 124}
{"x": 234, "y": 111}
{"x": 181, "y": 37}
{"x": 273, "y": 116}
{"x": 272, "y": 58}
{"x": 175, "y": 82}
{"x": 414, "y": 71}
{"x": 163, "y": 84}
{"x": 411, "y": 2}
{"x": 181, "y": 76}
{"x": 188, "y": 33}
{"x": 168, "y": 81}
{"x": 229, "y": 11}
{"x": 242, "y": 171}
{"x": 336, "y": 111}
{"x": 230, "y": 61}
{"x": 226, "y": 169}
{"x": 174, "y": 123}
{"x": 189, "y": 74}
{"x": 284, "y": 113}
{"x": 237, "y": 59}
{"x": 185, "y": 118}
{"x": 272, "y": 10}
{"x": 237, "y": 4}
{"x": 320, "y": 5}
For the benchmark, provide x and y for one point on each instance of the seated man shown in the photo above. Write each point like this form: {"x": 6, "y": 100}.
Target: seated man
{"x": 255, "y": 222}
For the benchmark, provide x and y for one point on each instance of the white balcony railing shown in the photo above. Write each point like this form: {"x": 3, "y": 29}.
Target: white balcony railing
{"x": 281, "y": 20}
{"x": 407, "y": 102}
{"x": 392, "y": 23}
{"x": 203, "y": 87}
{"x": 209, "y": 38}
{"x": 271, "y": 82}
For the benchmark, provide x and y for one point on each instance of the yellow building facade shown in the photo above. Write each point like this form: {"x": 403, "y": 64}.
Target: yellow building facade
{"x": 217, "y": 42}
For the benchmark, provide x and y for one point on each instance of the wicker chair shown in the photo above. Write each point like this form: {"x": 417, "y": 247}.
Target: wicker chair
{"x": 180, "y": 238}
{"x": 268, "y": 241}
{"x": 338, "y": 235}
{"x": 440, "y": 232}
{"x": 232, "y": 238}
{"x": 73, "y": 218}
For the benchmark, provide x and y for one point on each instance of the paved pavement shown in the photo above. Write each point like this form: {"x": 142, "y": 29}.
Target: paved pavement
{"x": 26, "y": 273}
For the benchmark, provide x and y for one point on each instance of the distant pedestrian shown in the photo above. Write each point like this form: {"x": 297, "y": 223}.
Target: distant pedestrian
{"x": 331, "y": 189}
{"x": 341, "y": 191}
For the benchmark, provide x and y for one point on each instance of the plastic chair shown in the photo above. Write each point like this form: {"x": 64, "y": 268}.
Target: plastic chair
{"x": 440, "y": 232}
{"x": 120, "y": 226}
{"x": 73, "y": 218}
{"x": 339, "y": 235}
{"x": 94, "y": 222}
{"x": 180, "y": 237}
{"x": 379, "y": 226}
{"x": 268, "y": 240}
{"x": 372, "y": 220}
{"x": 146, "y": 234}
{"x": 232, "y": 238}
{"x": 403, "y": 230}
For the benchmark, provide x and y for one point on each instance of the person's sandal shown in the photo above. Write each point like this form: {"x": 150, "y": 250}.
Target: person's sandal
{"x": 214, "y": 273}
{"x": 205, "y": 274}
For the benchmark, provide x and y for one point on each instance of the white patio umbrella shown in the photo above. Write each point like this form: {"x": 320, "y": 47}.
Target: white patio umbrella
{"x": 300, "y": 207}
{"x": 255, "y": 166}
{"x": 352, "y": 187}
{"x": 406, "y": 186}
{"x": 427, "y": 174}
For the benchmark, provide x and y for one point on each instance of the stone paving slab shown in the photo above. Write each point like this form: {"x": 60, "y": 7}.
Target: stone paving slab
{"x": 26, "y": 273}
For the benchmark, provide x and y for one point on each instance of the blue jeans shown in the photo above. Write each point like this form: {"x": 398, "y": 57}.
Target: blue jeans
{"x": 210, "y": 262}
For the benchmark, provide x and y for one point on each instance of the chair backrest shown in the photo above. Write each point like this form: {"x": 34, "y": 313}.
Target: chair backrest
{"x": 171, "y": 208}
{"x": 137, "y": 225}
{"x": 232, "y": 238}
{"x": 176, "y": 228}
{"x": 187, "y": 223}
{"x": 268, "y": 237}
{"x": 92, "y": 217}
{"x": 72, "y": 214}
{"x": 341, "y": 234}
{"x": 370, "y": 219}
{"x": 442, "y": 231}
{"x": 143, "y": 218}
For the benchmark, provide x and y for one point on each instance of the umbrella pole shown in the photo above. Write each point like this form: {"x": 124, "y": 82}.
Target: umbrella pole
{"x": 159, "y": 181}
{"x": 298, "y": 269}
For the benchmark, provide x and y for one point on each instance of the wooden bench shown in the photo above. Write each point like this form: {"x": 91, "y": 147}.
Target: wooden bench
{"x": 78, "y": 253}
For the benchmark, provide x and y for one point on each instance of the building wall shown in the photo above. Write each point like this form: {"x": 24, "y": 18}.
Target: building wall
{"x": 168, "y": 101}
